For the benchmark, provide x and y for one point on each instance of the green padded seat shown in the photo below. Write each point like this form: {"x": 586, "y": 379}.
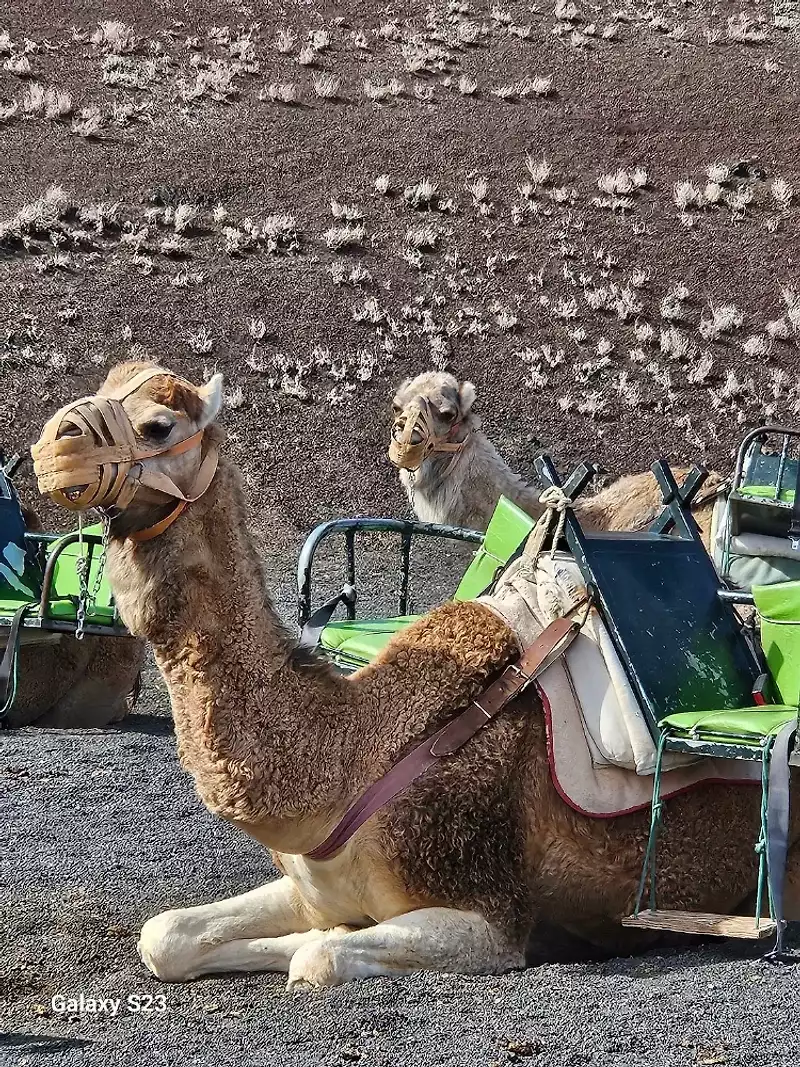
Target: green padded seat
{"x": 360, "y": 641}
{"x": 744, "y": 724}
{"x": 767, "y": 492}
{"x": 507, "y": 529}
{"x": 66, "y": 585}
{"x": 356, "y": 642}
{"x": 779, "y": 609}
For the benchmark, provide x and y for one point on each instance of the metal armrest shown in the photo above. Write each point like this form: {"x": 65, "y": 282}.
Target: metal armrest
{"x": 407, "y": 529}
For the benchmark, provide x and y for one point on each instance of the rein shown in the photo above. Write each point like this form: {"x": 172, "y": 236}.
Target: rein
{"x": 103, "y": 464}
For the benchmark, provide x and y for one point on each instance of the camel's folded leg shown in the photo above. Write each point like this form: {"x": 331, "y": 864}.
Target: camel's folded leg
{"x": 431, "y": 939}
{"x": 258, "y": 930}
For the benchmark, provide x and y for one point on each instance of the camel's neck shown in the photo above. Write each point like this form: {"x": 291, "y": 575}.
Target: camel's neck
{"x": 465, "y": 492}
{"x": 252, "y": 718}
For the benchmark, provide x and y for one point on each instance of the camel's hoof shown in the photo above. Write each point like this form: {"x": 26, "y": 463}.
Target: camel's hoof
{"x": 313, "y": 966}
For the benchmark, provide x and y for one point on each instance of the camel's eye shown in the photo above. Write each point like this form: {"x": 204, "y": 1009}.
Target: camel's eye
{"x": 397, "y": 408}
{"x": 448, "y": 414}
{"x": 158, "y": 429}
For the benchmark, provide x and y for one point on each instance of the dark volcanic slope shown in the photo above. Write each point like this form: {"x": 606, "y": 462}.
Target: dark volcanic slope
{"x": 565, "y": 264}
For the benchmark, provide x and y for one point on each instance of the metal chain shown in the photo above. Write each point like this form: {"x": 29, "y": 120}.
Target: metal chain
{"x": 86, "y": 596}
{"x": 82, "y": 571}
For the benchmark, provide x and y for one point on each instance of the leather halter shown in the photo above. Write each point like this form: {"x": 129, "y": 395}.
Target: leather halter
{"x": 410, "y": 455}
{"x": 106, "y": 460}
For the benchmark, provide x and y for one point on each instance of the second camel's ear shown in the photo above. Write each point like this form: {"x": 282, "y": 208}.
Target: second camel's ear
{"x": 211, "y": 395}
{"x": 466, "y": 397}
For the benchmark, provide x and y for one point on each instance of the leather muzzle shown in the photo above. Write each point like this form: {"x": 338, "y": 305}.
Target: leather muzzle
{"x": 88, "y": 455}
{"x": 408, "y": 454}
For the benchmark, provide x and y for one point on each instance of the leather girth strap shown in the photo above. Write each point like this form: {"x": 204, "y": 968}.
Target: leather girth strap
{"x": 551, "y": 643}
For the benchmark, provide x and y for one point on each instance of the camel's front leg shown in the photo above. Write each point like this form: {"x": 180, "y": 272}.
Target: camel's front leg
{"x": 256, "y": 931}
{"x": 431, "y": 939}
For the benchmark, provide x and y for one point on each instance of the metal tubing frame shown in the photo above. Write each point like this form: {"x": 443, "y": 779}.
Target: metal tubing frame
{"x": 406, "y": 528}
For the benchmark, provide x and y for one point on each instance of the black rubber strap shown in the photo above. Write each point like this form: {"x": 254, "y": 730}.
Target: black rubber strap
{"x": 312, "y": 631}
{"x": 778, "y": 830}
{"x": 8, "y": 662}
{"x": 794, "y": 525}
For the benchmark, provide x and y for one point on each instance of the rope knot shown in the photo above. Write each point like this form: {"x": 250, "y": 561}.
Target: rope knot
{"x": 555, "y": 503}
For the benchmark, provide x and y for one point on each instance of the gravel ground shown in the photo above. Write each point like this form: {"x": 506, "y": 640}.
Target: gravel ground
{"x": 103, "y": 829}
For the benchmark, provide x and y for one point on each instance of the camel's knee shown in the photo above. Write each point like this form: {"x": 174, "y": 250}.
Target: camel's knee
{"x": 169, "y": 947}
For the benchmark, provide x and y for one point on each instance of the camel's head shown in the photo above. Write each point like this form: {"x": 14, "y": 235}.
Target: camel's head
{"x": 144, "y": 441}
{"x": 432, "y": 413}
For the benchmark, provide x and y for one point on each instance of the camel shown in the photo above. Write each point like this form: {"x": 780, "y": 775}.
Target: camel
{"x": 456, "y": 872}
{"x": 453, "y": 474}
{"x": 67, "y": 684}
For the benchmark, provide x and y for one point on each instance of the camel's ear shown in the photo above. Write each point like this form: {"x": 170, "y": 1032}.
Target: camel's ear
{"x": 211, "y": 395}
{"x": 466, "y": 397}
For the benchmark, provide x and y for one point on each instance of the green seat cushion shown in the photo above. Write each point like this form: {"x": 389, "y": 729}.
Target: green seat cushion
{"x": 507, "y": 529}
{"x": 361, "y": 640}
{"x": 767, "y": 492}
{"x": 66, "y": 586}
{"x": 754, "y": 722}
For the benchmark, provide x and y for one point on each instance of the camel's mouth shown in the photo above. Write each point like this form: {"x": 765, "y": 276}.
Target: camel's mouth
{"x": 406, "y": 456}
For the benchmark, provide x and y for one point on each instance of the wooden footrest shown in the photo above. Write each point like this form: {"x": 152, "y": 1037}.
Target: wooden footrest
{"x": 693, "y": 922}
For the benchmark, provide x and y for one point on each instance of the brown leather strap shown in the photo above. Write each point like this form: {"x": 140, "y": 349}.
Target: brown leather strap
{"x": 551, "y": 643}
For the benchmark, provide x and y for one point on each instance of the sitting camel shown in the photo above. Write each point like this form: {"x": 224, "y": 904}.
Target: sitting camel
{"x": 453, "y": 474}
{"x": 454, "y": 873}
{"x": 69, "y": 684}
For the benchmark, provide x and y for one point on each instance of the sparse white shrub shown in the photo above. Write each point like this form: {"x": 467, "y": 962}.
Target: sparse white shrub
{"x": 566, "y": 308}
{"x": 467, "y": 86}
{"x": 756, "y": 346}
{"x": 337, "y": 238}
{"x": 782, "y": 193}
{"x": 19, "y": 65}
{"x": 283, "y": 93}
{"x": 718, "y": 173}
{"x": 566, "y": 11}
{"x": 219, "y": 214}
{"x": 644, "y": 333}
{"x": 725, "y": 318}
{"x": 422, "y": 237}
{"x": 687, "y": 195}
{"x": 350, "y": 212}
{"x": 285, "y": 41}
{"x": 174, "y": 245}
{"x": 701, "y": 370}
{"x": 57, "y": 104}
{"x": 201, "y": 341}
{"x": 306, "y": 56}
{"x": 234, "y": 398}
{"x": 540, "y": 170}
{"x": 115, "y": 36}
{"x": 422, "y": 195}
{"x": 34, "y": 99}
{"x": 478, "y": 187}
{"x": 88, "y": 123}
{"x": 779, "y": 329}
{"x": 383, "y": 184}
{"x": 327, "y": 86}
{"x": 184, "y": 218}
